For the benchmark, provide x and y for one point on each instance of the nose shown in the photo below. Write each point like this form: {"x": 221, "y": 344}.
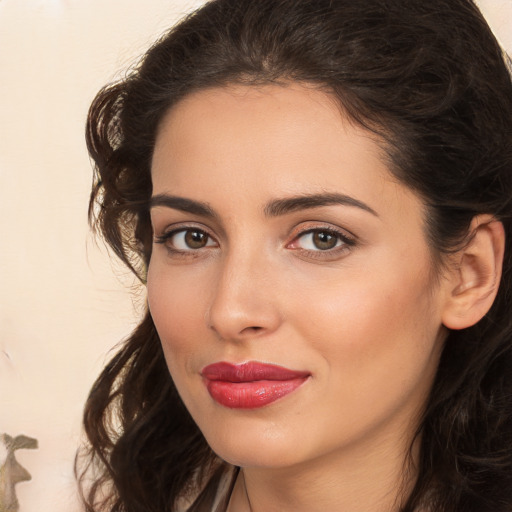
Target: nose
{"x": 243, "y": 303}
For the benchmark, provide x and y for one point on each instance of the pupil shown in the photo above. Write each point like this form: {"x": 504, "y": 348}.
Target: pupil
{"x": 324, "y": 240}
{"x": 195, "y": 239}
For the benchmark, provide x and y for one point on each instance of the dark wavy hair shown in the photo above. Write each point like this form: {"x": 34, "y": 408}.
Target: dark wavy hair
{"x": 430, "y": 79}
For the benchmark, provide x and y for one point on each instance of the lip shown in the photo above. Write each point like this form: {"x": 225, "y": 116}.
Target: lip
{"x": 250, "y": 385}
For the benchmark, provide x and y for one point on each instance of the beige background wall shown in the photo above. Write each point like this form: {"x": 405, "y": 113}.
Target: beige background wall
{"x": 61, "y": 305}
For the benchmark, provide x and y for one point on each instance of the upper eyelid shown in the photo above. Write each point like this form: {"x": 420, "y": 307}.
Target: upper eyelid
{"x": 321, "y": 226}
{"x": 346, "y": 241}
{"x": 182, "y": 226}
{"x": 216, "y": 232}
{"x": 333, "y": 254}
{"x": 168, "y": 234}
{"x": 341, "y": 234}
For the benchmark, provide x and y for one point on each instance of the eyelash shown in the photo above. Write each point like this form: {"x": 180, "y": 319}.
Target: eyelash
{"x": 343, "y": 242}
{"x": 165, "y": 239}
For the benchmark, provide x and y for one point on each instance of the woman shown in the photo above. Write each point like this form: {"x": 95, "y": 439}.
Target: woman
{"x": 317, "y": 196}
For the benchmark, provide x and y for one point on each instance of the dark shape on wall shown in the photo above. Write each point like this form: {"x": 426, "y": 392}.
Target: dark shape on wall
{"x": 11, "y": 471}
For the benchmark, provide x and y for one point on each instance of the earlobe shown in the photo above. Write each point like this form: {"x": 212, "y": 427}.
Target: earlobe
{"x": 475, "y": 279}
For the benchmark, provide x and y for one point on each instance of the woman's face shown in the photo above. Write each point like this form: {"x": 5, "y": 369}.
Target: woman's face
{"x": 283, "y": 241}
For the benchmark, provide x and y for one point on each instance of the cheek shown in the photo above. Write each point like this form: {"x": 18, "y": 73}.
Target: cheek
{"x": 177, "y": 306}
{"x": 377, "y": 337}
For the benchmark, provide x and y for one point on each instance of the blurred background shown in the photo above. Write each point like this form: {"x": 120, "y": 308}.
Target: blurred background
{"x": 64, "y": 303}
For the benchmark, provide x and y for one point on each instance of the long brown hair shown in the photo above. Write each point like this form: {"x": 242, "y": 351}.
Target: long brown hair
{"x": 430, "y": 79}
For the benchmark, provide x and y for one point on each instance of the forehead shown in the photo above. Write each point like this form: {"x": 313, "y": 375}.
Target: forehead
{"x": 274, "y": 140}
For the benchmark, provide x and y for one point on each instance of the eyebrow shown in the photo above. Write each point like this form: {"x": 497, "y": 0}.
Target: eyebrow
{"x": 183, "y": 204}
{"x": 274, "y": 208}
{"x": 278, "y": 207}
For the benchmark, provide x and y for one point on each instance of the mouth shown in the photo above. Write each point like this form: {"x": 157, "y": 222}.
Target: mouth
{"x": 250, "y": 385}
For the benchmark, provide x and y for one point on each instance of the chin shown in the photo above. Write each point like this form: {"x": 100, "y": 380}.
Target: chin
{"x": 251, "y": 447}
{"x": 262, "y": 457}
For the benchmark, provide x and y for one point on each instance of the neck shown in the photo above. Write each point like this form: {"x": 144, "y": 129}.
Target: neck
{"x": 364, "y": 479}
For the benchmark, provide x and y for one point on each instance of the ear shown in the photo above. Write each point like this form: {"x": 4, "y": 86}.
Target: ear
{"x": 475, "y": 277}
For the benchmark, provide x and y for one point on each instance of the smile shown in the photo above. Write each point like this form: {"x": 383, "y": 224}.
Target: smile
{"x": 250, "y": 385}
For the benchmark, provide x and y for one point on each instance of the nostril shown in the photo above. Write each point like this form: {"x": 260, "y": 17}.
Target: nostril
{"x": 253, "y": 329}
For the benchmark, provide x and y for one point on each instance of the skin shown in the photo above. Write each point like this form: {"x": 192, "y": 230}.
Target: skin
{"x": 364, "y": 318}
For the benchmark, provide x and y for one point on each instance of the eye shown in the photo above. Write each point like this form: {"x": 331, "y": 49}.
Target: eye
{"x": 321, "y": 240}
{"x": 184, "y": 240}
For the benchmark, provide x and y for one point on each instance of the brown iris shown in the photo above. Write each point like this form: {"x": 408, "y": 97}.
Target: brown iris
{"x": 324, "y": 240}
{"x": 196, "y": 239}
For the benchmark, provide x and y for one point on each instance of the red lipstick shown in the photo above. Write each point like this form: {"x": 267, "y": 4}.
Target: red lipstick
{"x": 250, "y": 385}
